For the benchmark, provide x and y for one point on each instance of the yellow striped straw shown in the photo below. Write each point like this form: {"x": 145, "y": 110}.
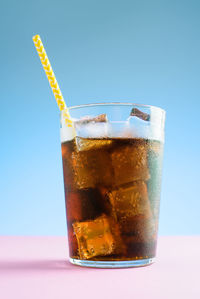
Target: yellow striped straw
{"x": 52, "y": 79}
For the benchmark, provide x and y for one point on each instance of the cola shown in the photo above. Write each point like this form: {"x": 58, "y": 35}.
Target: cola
{"x": 112, "y": 194}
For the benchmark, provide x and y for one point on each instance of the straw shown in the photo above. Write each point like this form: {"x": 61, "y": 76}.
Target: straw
{"x": 52, "y": 80}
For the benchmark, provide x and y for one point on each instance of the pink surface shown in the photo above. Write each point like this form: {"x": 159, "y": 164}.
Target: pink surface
{"x": 37, "y": 267}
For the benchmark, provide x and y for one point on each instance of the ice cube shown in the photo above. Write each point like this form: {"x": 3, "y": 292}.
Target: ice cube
{"x": 131, "y": 209}
{"x": 91, "y": 168}
{"x": 130, "y": 201}
{"x": 88, "y": 119}
{"x": 140, "y": 114}
{"x": 130, "y": 163}
{"x": 84, "y": 167}
{"x": 86, "y": 144}
{"x": 98, "y": 237}
{"x": 139, "y": 123}
{"x": 94, "y": 127}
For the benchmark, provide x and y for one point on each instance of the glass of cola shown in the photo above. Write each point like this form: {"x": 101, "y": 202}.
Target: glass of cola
{"x": 112, "y": 178}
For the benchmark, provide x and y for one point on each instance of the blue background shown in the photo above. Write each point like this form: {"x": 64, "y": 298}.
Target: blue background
{"x": 140, "y": 51}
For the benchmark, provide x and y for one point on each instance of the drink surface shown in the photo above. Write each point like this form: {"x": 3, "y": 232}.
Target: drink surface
{"x": 112, "y": 193}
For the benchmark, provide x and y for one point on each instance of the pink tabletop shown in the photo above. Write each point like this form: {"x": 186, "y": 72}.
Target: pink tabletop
{"x": 37, "y": 267}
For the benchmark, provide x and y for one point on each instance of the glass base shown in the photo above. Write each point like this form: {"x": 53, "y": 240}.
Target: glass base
{"x": 113, "y": 264}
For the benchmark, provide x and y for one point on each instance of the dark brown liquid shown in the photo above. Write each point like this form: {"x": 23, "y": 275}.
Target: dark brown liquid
{"x": 112, "y": 193}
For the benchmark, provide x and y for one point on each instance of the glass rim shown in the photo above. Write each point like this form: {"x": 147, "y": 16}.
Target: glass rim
{"x": 114, "y": 104}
